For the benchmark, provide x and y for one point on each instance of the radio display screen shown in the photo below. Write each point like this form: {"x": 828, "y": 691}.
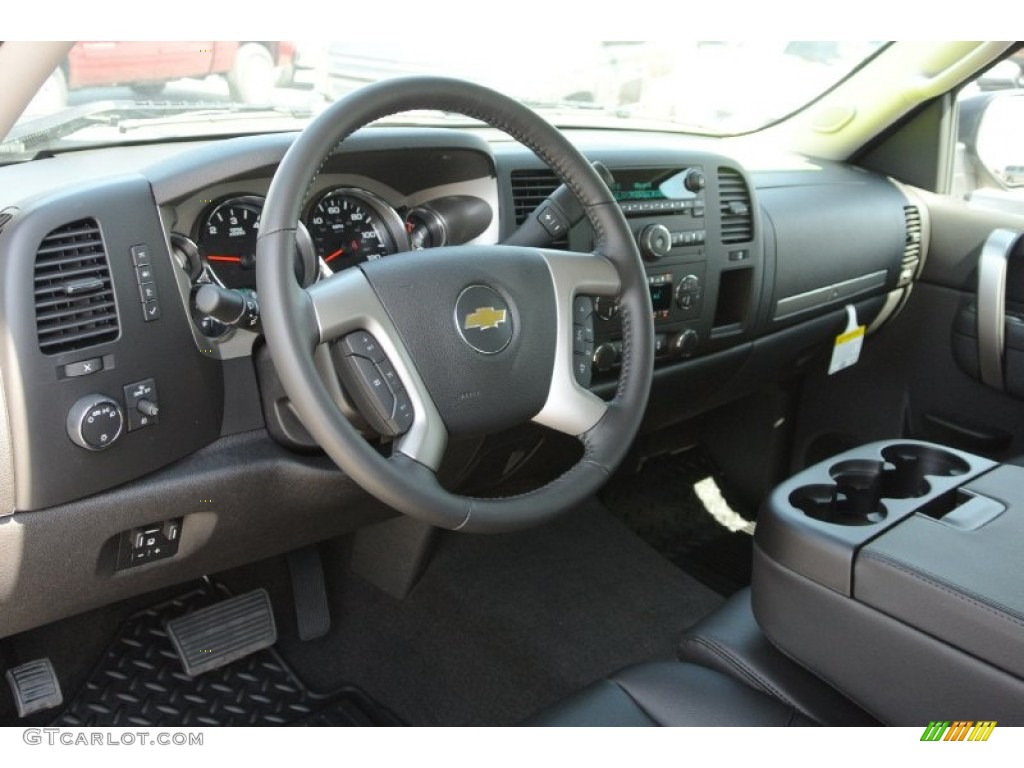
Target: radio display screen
{"x": 661, "y": 296}
{"x": 651, "y": 184}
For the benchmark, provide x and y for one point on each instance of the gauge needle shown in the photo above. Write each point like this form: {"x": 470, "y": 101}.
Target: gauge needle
{"x": 234, "y": 259}
{"x": 336, "y": 254}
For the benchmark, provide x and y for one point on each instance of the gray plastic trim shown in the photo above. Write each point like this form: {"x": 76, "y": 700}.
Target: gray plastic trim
{"x": 569, "y": 407}
{"x": 792, "y": 305}
{"x": 346, "y": 302}
{"x": 992, "y": 265}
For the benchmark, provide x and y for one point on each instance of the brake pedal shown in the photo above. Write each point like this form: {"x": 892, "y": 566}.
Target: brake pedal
{"x": 223, "y": 632}
{"x": 35, "y": 687}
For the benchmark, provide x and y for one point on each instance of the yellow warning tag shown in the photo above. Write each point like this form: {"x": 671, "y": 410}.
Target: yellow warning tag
{"x": 846, "y": 351}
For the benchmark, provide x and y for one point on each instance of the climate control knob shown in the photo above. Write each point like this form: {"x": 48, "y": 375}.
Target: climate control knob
{"x": 95, "y": 422}
{"x": 655, "y": 241}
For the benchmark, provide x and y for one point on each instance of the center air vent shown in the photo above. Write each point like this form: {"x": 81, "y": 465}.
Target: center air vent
{"x": 529, "y": 189}
{"x": 74, "y": 297}
{"x": 734, "y": 205}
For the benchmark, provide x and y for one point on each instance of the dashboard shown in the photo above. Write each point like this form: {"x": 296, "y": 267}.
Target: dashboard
{"x": 115, "y": 379}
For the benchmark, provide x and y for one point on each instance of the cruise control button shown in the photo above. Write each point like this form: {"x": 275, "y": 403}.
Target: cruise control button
{"x": 581, "y": 337}
{"x": 363, "y": 344}
{"x": 582, "y": 369}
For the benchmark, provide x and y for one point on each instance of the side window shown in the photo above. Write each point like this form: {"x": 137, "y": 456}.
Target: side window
{"x": 988, "y": 167}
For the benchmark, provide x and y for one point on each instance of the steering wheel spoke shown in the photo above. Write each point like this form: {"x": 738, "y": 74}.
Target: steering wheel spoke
{"x": 570, "y": 407}
{"x": 374, "y": 356}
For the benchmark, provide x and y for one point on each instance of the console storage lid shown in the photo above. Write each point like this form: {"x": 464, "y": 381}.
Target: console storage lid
{"x": 957, "y": 578}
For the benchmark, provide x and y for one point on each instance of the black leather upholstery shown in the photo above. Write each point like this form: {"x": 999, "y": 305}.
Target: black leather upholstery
{"x": 671, "y": 694}
{"x": 730, "y": 640}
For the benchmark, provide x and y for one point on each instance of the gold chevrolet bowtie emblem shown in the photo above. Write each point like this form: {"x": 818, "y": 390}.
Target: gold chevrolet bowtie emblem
{"x": 484, "y": 318}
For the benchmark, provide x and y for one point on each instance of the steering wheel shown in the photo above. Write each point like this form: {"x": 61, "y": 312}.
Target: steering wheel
{"x": 479, "y": 337}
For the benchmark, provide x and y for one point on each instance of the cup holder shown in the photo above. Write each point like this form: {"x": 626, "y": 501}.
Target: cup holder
{"x": 860, "y": 485}
{"x": 921, "y": 460}
{"x": 854, "y": 499}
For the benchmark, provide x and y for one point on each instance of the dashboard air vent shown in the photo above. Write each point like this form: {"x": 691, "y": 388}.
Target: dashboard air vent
{"x": 734, "y": 204}
{"x": 74, "y": 297}
{"x": 529, "y": 188}
{"x": 912, "y": 246}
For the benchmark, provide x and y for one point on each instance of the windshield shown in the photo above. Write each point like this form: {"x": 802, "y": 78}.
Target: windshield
{"x": 114, "y": 92}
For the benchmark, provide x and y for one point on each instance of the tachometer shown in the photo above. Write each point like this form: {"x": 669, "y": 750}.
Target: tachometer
{"x": 227, "y": 240}
{"x": 351, "y": 225}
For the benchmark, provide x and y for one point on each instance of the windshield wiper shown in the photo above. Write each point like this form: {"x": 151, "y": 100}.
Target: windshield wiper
{"x": 125, "y": 116}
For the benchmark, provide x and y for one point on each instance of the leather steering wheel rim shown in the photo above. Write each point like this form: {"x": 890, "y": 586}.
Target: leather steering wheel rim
{"x": 297, "y": 320}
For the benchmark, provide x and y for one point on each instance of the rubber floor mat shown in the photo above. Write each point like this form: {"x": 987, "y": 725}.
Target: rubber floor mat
{"x": 140, "y": 681}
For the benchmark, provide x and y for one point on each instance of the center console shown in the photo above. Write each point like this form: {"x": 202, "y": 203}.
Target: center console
{"x": 892, "y": 572}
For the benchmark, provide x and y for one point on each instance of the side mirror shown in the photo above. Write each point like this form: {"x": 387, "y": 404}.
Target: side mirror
{"x": 990, "y": 155}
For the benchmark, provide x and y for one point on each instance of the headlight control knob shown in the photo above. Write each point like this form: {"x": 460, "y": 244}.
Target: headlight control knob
{"x": 95, "y": 422}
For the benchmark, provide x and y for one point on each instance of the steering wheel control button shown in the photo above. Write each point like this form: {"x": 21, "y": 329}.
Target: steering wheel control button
{"x": 582, "y": 309}
{"x": 373, "y": 384}
{"x": 582, "y": 369}
{"x": 140, "y": 256}
{"x": 83, "y": 367}
{"x": 553, "y": 221}
{"x": 142, "y": 404}
{"x": 484, "y": 319}
{"x": 403, "y": 412}
{"x": 95, "y": 422}
{"x": 363, "y": 344}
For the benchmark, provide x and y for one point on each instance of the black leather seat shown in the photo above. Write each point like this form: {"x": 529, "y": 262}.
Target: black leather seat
{"x": 729, "y": 674}
{"x": 730, "y": 641}
{"x": 669, "y": 693}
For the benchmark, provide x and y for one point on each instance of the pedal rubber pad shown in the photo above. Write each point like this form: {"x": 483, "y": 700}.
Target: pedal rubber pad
{"x": 35, "y": 687}
{"x": 223, "y": 632}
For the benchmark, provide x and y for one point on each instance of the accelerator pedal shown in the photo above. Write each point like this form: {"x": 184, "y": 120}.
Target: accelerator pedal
{"x": 35, "y": 687}
{"x": 224, "y": 632}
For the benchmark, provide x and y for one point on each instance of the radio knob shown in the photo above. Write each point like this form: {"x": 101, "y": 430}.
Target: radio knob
{"x": 95, "y": 422}
{"x": 694, "y": 180}
{"x": 684, "y": 344}
{"x": 655, "y": 241}
{"x": 605, "y": 356}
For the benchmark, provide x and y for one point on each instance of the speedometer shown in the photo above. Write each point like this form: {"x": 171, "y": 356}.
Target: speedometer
{"x": 349, "y": 226}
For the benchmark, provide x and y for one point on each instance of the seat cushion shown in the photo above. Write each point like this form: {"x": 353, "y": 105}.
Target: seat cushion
{"x": 730, "y": 640}
{"x": 671, "y": 694}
